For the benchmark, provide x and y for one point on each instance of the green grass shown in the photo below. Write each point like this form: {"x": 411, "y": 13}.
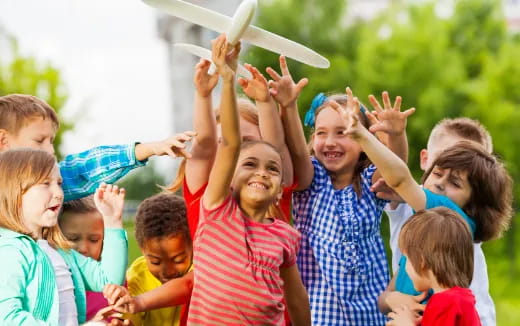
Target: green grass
{"x": 133, "y": 248}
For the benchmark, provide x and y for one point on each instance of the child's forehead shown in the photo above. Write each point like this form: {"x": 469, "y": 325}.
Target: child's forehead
{"x": 261, "y": 152}
{"x": 173, "y": 242}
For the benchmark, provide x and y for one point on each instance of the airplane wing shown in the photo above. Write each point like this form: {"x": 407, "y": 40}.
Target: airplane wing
{"x": 254, "y": 35}
{"x": 206, "y": 54}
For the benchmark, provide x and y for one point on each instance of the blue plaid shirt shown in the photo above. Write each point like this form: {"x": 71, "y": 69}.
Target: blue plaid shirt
{"x": 342, "y": 259}
{"x": 82, "y": 173}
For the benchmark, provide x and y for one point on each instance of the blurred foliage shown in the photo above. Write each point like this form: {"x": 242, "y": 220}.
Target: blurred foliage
{"x": 465, "y": 64}
{"x": 27, "y": 75}
{"x": 142, "y": 183}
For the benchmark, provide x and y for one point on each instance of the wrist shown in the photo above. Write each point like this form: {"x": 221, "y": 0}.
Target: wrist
{"x": 139, "y": 303}
{"x": 143, "y": 151}
{"x": 112, "y": 222}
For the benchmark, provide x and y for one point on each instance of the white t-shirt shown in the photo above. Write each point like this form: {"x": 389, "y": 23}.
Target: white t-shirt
{"x": 67, "y": 300}
{"x": 480, "y": 283}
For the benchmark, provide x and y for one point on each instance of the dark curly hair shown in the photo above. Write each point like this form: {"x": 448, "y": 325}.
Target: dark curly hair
{"x": 160, "y": 216}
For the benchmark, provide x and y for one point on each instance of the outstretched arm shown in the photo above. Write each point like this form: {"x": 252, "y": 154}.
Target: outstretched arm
{"x": 392, "y": 168}
{"x": 204, "y": 145}
{"x": 285, "y": 91}
{"x": 296, "y": 296}
{"x": 225, "y": 58}
{"x": 269, "y": 118}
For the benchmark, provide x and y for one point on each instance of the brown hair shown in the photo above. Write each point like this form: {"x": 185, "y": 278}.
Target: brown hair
{"x": 465, "y": 128}
{"x": 439, "y": 240}
{"x": 17, "y": 110}
{"x": 161, "y": 215}
{"x": 363, "y": 161}
{"x": 78, "y": 206}
{"x": 19, "y": 171}
{"x": 246, "y": 109}
{"x": 490, "y": 204}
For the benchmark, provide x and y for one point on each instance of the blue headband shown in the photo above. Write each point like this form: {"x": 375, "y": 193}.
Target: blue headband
{"x": 317, "y": 101}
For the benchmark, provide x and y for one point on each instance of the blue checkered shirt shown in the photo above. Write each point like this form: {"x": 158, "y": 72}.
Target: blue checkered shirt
{"x": 342, "y": 259}
{"x": 82, "y": 173}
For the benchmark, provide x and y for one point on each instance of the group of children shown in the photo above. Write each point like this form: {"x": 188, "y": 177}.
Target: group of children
{"x": 225, "y": 253}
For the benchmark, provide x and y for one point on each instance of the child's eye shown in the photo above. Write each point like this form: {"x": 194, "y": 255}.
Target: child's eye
{"x": 273, "y": 169}
{"x": 249, "y": 163}
{"x": 39, "y": 141}
{"x": 156, "y": 263}
{"x": 320, "y": 133}
{"x": 179, "y": 260}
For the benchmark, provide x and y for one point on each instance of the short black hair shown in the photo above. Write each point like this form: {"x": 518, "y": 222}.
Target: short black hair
{"x": 162, "y": 215}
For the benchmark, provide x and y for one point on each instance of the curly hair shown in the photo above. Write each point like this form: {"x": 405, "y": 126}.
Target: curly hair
{"x": 160, "y": 216}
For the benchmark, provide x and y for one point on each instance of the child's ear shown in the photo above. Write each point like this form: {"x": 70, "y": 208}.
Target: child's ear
{"x": 4, "y": 140}
{"x": 424, "y": 159}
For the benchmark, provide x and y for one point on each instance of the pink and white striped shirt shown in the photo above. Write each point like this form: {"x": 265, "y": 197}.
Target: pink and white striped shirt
{"x": 237, "y": 268}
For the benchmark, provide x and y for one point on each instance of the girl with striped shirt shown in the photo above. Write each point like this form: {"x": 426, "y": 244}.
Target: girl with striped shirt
{"x": 245, "y": 259}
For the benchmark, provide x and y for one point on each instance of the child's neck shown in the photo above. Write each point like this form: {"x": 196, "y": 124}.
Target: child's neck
{"x": 257, "y": 214}
{"x": 342, "y": 179}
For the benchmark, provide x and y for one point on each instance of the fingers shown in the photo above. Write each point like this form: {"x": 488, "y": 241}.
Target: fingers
{"x": 397, "y": 103}
{"x": 301, "y": 84}
{"x": 386, "y": 101}
{"x": 375, "y": 103}
{"x": 273, "y": 74}
{"x": 112, "y": 292}
{"x": 283, "y": 66}
{"x": 409, "y": 112}
{"x": 244, "y": 83}
{"x": 418, "y": 307}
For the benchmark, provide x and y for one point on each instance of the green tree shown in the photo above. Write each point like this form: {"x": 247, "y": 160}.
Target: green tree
{"x": 27, "y": 75}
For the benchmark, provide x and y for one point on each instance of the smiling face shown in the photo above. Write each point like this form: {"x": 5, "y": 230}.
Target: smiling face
{"x": 336, "y": 151}
{"x": 258, "y": 176}
{"x": 38, "y": 133}
{"x": 41, "y": 203}
{"x": 453, "y": 184}
{"x": 167, "y": 257}
{"x": 85, "y": 231}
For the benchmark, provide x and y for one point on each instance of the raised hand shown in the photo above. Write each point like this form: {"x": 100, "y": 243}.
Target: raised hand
{"x": 204, "y": 83}
{"x": 349, "y": 114}
{"x": 109, "y": 200}
{"x": 390, "y": 119}
{"x": 283, "y": 88}
{"x": 174, "y": 146}
{"x": 225, "y": 57}
{"x": 256, "y": 88}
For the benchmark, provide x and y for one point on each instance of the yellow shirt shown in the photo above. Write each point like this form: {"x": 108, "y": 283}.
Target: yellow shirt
{"x": 140, "y": 280}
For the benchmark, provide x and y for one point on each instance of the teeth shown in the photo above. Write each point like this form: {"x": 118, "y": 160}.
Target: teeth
{"x": 332, "y": 155}
{"x": 257, "y": 185}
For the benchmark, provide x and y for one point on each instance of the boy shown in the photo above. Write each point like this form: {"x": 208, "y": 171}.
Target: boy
{"x": 162, "y": 232}
{"x": 439, "y": 247}
{"x": 445, "y": 134}
{"x": 27, "y": 121}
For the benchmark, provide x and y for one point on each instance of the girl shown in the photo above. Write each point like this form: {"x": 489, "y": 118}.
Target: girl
{"x": 342, "y": 258}
{"x": 464, "y": 178}
{"x": 244, "y": 258}
{"x": 46, "y": 281}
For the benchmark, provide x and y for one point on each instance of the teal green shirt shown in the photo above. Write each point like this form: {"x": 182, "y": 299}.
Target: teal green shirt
{"x": 28, "y": 290}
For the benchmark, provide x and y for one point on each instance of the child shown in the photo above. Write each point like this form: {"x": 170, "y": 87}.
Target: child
{"x": 161, "y": 230}
{"x": 464, "y": 178}
{"x": 244, "y": 258}
{"x": 28, "y": 122}
{"x": 445, "y": 134}
{"x": 342, "y": 258}
{"x": 439, "y": 247}
{"x": 46, "y": 281}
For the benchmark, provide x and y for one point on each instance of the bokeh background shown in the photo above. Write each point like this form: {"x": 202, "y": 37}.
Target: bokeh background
{"x": 105, "y": 69}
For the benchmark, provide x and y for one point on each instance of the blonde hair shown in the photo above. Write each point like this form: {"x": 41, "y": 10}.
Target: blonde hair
{"x": 19, "y": 171}
{"x": 247, "y": 111}
{"x": 17, "y": 110}
{"x": 363, "y": 161}
{"x": 465, "y": 128}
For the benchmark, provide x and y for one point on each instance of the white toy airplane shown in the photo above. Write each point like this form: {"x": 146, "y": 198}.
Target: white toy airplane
{"x": 237, "y": 28}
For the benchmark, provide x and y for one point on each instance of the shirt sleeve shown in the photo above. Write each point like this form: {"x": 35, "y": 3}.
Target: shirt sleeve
{"x": 13, "y": 285}
{"x": 111, "y": 268}
{"x": 83, "y": 172}
{"x": 397, "y": 217}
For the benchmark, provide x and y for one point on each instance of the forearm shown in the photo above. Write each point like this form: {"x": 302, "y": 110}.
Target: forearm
{"x": 295, "y": 140}
{"x": 172, "y": 293}
{"x": 399, "y": 145}
{"x": 229, "y": 118}
{"x": 204, "y": 123}
{"x": 393, "y": 170}
{"x": 272, "y": 132}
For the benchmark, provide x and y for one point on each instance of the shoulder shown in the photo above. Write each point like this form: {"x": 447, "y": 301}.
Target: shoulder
{"x": 435, "y": 200}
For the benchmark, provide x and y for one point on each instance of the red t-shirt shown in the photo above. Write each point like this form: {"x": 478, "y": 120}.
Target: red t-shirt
{"x": 455, "y": 306}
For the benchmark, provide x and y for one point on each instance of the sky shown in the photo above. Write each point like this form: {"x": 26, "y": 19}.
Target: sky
{"x": 112, "y": 61}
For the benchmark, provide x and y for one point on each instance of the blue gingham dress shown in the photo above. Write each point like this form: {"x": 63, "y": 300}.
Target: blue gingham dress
{"x": 342, "y": 259}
